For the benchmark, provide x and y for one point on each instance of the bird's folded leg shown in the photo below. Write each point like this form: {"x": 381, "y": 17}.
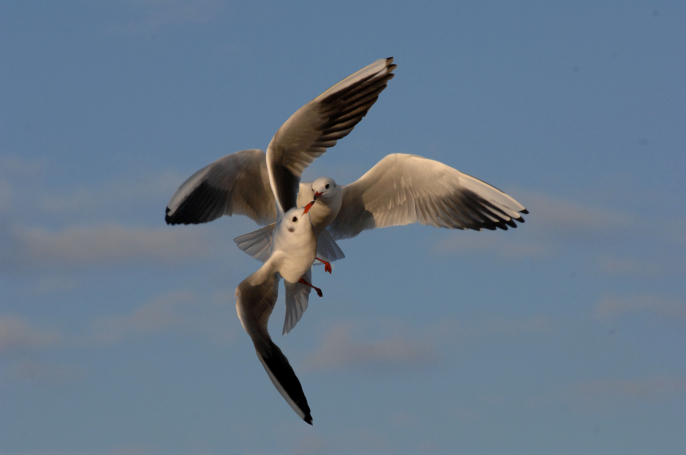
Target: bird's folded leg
{"x": 319, "y": 291}
{"x": 327, "y": 265}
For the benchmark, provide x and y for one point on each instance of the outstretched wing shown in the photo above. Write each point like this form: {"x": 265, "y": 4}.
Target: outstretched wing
{"x": 255, "y": 300}
{"x": 403, "y": 189}
{"x": 234, "y": 184}
{"x": 319, "y": 124}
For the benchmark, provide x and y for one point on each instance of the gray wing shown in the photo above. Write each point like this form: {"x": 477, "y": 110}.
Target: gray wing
{"x": 234, "y": 184}
{"x": 297, "y": 298}
{"x": 255, "y": 300}
{"x": 327, "y": 248}
{"x": 257, "y": 244}
{"x": 403, "y": 189}
{"x": 319, "y": 124}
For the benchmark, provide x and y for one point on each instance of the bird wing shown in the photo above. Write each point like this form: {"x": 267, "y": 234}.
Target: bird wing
{"x": 403, "y": 189}
{"x": 255, "y": 300}
{"x": 234, "y": 184}
{"x": 318, "y": 125}
{"x": 257, "y": 244}
{"x": 297, "y": 298}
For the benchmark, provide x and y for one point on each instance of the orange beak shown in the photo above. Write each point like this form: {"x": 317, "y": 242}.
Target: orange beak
{"x": 308, "y": 207}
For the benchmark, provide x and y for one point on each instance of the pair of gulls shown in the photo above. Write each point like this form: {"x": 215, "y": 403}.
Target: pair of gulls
{"x": 308, "y": 217}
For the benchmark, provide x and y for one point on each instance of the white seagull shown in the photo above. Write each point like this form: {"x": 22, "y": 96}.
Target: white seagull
{"x": 400, "y": 189}
{"x": 293, "y": 252}
{"x": 264, "y": 186}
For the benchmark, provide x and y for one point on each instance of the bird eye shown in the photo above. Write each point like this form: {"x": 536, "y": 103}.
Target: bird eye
{"x": 295, "y": 219}
{"x": 327, "y": 186}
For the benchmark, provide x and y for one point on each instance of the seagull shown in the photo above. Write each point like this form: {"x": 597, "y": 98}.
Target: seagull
{"x": 400, "y": 189}
{"x": 294, "y": 250}
{"x": 263, "y": 187}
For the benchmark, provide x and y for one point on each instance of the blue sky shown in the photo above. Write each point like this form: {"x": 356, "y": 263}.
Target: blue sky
{"x": 119, "y": 336}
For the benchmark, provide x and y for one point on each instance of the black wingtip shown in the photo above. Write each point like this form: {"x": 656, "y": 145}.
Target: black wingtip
{"x": 525, "y": 211}
{"x": 308, "y": 419}
{"x": 168, "y": 219}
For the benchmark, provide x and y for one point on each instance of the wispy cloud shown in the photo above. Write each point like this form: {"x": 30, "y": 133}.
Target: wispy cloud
{"x": 115, "y": 193}
{"x": 18, "y": 334}
{"x": 344, "y": 347}
{"x": 663, "y": 307}
{"x": 103, "y": 245}
{"x": 562, "y": 217}
{"x": 396, "y": 346}
{"x": 493, "y": 243}
{"x": 160, "y": 13}
{"x": 180, "y": 312}
{"x": 552, "y": 224}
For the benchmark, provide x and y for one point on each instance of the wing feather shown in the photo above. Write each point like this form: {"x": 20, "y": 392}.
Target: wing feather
{"x": 255, "y": 300}
{"x": 236, "y": 184}
{"x": 403, "y": 189}
{"x": 319, "y": 124}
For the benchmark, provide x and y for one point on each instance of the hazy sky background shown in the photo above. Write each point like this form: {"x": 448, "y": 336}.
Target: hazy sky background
{"x": 119, "y": 335}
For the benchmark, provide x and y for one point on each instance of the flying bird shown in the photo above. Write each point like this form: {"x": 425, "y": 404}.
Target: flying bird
{"x": 264, "y": 186}
{"x": 294, "y": 250}
{"x": 400, "y": 189}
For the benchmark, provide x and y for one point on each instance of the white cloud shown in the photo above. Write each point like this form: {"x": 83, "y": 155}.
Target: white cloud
{"x": 116, "y": 193}
{"x": 107, "y": 244}
{"x": 669, "y": 308}
{"x": 18, "y": 334}
{"x": 346, "y": 345}
{"x": 560, "y": 217}
{"x": 551, "y": 225}
{"x": 342, "y": 348}
{"x": 181, "y": 312}
{"x": 494, "y": 243}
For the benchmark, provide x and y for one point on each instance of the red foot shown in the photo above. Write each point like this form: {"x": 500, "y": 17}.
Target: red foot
{"x": 327, "y": 265}
{"x": 319, "y": 291}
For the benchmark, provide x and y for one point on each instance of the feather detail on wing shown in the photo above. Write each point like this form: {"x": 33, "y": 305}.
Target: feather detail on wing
{"x": 297, "y": 298}
{"x": 319, "y": 124}
{"x": 234, "y": 184}
{"x": 257, "y": 244}
{"x": 403, "y": 189}
{"x": 255, "y": 300}
{"x": 327, "y": 248}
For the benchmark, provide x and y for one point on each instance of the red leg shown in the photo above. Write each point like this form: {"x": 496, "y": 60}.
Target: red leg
{"x": 319, "y": 291}
{"x": 327, "y": 265}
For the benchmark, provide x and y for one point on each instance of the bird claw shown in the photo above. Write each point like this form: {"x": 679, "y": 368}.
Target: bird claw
{"x": 327, "y": 265}
{"x": 319, "y": 291}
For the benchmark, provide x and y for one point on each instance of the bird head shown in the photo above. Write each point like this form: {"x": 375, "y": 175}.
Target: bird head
{"x": 324, "y": 188}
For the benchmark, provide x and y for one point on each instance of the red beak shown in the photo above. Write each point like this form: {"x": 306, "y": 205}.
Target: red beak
{"x": 308, "y": 207}
{"x": 317, "y": 195}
